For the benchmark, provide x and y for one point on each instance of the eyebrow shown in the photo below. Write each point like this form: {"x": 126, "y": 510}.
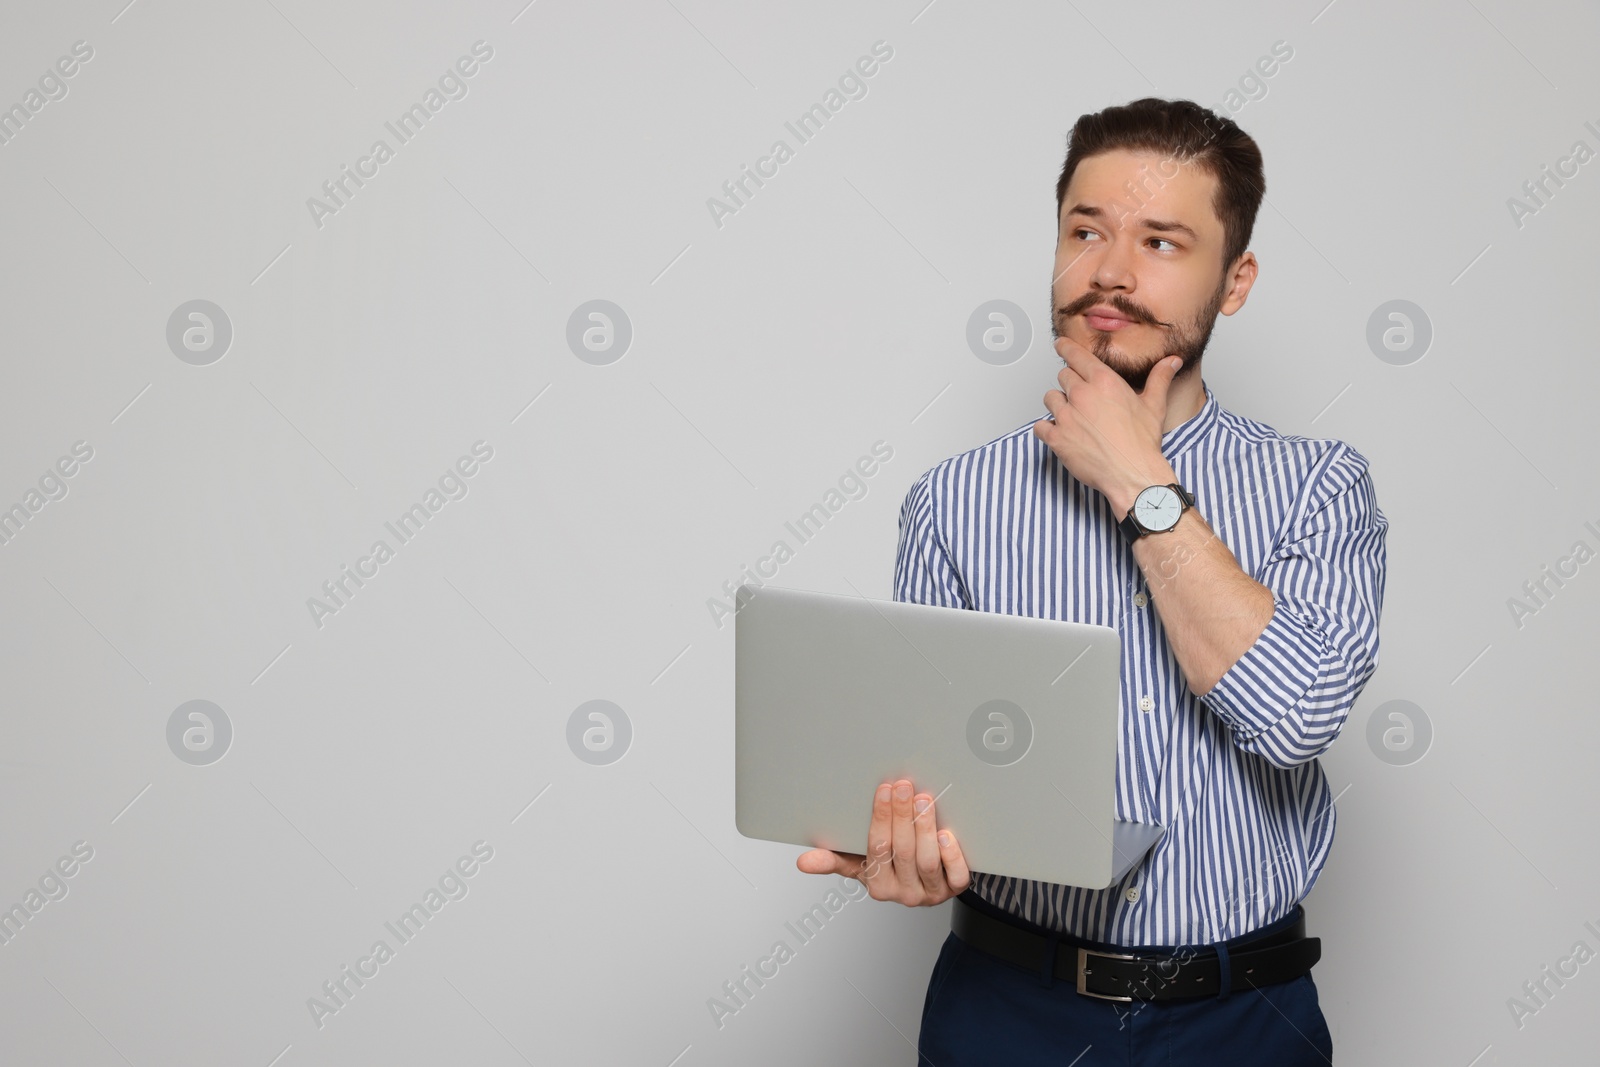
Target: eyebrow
{"x": 1159, "y": 225}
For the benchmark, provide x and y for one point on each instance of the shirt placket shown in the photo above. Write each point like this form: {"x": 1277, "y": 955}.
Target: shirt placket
{"x": 1138, "y": 702}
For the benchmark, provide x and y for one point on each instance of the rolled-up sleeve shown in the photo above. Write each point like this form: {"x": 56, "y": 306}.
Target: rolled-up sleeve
{"x": 1286, "y": 698}
{"x": 924, "y": 572}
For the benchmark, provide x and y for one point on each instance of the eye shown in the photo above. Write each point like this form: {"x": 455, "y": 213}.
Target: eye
{"x": 1164, "y": 241}
{"x": 1076, "y": 232}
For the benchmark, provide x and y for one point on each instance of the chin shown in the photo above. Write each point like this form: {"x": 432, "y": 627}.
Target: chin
{"x": 1122, "y": 362}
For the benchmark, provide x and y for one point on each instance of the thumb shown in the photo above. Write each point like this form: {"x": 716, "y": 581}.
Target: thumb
{"x": 826, "y": 861}
{"x": 1159, "y": 381}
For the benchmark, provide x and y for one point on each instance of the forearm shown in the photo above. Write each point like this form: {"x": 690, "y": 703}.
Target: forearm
{"x": 1210, "y": 610}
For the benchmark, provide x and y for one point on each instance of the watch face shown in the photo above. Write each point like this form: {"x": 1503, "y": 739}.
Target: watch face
{"x": 1157, "y": 508}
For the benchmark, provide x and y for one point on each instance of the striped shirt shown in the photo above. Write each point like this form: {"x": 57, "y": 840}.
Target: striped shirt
{"x": 1232, "y": 775}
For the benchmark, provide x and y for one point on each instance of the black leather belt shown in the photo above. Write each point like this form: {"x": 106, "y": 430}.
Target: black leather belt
{"x": 1251, "y": 961}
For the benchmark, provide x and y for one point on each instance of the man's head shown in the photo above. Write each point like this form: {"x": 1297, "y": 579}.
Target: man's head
{"x": 1155, "y": 206}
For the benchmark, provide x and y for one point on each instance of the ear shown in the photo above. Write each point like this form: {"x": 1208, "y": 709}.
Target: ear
{"x": 1238, "y": 282}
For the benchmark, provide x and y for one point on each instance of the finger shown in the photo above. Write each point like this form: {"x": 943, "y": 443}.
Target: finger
{"x": 824, "y": 861}
{"x": 1079, "y": 359}
{"x": 878, "y": 839}
{"x": 929, "y": 867}
{"x": 1056, "y": 401}
{"x": 903, "y": 836}
{"x": 1158, "y": 383}
{"x": 1068, "y": 375}
{"x": 956, "y": 874}
{"x": 1045, "y": 430}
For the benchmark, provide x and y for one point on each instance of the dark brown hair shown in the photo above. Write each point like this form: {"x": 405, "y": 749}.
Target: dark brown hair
{"x": 1185, "y": 132}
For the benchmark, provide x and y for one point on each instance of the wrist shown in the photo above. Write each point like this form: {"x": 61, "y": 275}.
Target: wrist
{"x": 1122, "y": 495}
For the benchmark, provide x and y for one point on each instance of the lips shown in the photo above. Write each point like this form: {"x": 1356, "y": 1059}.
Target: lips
{"x": 1104, "y": 318}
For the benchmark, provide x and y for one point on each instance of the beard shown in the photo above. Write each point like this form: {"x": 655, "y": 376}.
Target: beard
{"x": 1186, "y": 339}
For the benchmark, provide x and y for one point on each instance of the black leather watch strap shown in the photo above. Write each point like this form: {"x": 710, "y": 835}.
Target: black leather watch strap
{"x": 1130, "y": 528}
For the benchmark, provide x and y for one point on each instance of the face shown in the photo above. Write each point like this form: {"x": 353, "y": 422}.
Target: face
{"x": 1138, "y": 273}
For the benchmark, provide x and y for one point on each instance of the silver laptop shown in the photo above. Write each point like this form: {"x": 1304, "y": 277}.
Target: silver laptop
{"x": 1010, "y": 722}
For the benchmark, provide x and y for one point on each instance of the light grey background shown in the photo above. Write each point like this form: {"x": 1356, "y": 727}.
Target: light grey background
{"x": 830, "y": 312}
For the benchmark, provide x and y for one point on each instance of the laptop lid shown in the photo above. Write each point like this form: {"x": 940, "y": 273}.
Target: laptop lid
{"x": 1009, "y": 721}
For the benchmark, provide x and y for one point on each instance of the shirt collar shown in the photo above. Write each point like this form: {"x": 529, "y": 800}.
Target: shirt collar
{"x": 1184, "y": 435}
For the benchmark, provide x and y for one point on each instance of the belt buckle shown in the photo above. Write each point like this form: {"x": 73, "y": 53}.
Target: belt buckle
{"x": 1083, "y": 959}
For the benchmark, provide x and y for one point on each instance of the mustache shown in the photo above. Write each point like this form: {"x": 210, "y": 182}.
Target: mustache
{"x": 1121, "y": 303}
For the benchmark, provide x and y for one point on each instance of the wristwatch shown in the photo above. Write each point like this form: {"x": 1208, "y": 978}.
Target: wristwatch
{"x": 1156, "y": 509}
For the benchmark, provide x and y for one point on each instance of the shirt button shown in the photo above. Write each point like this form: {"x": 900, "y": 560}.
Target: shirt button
{"x": 1132, "y": 894}
{"x": 1140, "y": 600}
{"x": 1146, "y": 704}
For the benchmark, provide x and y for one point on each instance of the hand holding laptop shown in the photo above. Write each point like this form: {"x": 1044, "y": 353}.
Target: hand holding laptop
{"x": 911, "y": 864}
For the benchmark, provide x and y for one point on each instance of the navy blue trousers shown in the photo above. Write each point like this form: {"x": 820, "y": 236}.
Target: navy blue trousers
{"x": 983, "y": 1010}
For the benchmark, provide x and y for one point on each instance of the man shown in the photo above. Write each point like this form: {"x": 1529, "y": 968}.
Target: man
{"x": 1244, "y": 569}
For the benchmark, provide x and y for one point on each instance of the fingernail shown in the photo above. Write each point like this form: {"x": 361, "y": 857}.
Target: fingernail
{"x": 944, "y": 838}
{"x": 883, "y": 793}
{"x": 921, "y": 806}
{"x": 902, "y": 792}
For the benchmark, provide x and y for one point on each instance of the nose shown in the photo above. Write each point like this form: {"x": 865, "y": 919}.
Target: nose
{"x": 1113, "y": 268}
